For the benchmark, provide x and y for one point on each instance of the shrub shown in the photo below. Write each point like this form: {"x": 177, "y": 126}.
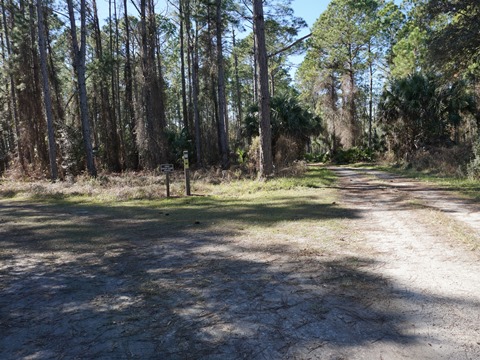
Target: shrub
{"x": 353, "y": 155}
{"x": 287, "y": 150}
{"x": 315, "y": 158}
{"x": 253, "y": 163}
{"x": 473, "y": 167}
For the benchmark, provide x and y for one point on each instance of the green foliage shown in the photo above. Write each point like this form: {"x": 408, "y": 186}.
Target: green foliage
{"x": 178, "y": 142}
{"x": 353, "y": 155}
{"x": 473, "y": 167}
{"x": 349, "y": 45}
{"x": 454, "y": 42}
{"x": 409, "y": 53}
{"x": 71, "y": 146}
{"x": 289, "y": 121}
{"x": 288, "y": 118}
{"x": 317, "y": 158}
{"x": 241, "y": 156}
{"x": 418, "y": 111}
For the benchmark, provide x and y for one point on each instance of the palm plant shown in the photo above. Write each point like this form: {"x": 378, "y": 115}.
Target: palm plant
{"x": 416, "y": 111}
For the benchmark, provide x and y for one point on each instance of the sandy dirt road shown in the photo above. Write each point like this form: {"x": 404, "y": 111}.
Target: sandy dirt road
{"x": 398, "y": 283}
{"x": 433, "y": 278}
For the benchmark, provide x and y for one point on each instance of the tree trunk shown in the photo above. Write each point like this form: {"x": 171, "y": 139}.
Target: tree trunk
{"x": 38, "y": 123}
{"x": 351, "y": 103}
{"x": 132, "y": 152}
{"x": 13, "y": 95}
{"x": 370, "y": 100}
{"x": 188, "y": 29}
{"x": 108, "y": 119}
{"x": 195, "y": 90}
{"x": 255, "y": 69}
{"x": 158, "y": 89}
{"x": 182, "y": 67}
{"x": 266, "y": 161}
{"x": 52, "y": 147}
{"x": 59, "y": 110}
{"x": 117, "y": 104}
{"x": 222, "y": 99}
{"x": 114, "y": 130}
{"x": 151, "y": 135}
{"x": 237, "y": 83}
{"x": 79, "y": 66}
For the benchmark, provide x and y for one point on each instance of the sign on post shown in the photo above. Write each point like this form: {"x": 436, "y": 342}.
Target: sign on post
{"x": 167, "y": 169}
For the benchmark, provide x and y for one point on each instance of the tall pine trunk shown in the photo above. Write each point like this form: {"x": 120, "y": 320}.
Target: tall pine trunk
{"x": 195, "y": 90}
{"x": 182, "y": 66}
{"x": 52, "y": 147}
{"x": 132, "y": 159}
{"x": 38, "y": 123}
{"x": 222, "y": 99}
{"x": 79, "y": 67}
{"x": 266, "y": 157}
{"x": 237, "y": 83}
{"x": 13, "y": 94}
{"x": 108, "y": 122}
{"x": 152, "y": 136}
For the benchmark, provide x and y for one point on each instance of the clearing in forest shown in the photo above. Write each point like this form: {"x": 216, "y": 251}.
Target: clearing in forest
{"x": 341, "y": 264}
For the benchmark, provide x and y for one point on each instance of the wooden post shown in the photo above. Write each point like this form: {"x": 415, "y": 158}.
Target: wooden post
{"x": 186, "y": 166}
{"x": 167, "y": 169}
{"x": 168, "y": 184}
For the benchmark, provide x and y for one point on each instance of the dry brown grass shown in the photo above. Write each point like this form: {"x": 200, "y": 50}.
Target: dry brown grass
{"x": 131, "y": 185}
{"x": 442, "y": 161}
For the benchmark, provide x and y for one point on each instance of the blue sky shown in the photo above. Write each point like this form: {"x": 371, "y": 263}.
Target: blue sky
{"x": 309, "y": 10}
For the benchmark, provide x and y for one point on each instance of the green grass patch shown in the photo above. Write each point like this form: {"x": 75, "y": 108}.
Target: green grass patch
{"x": 85, "y": 217}
{"x": 470, "y": 189}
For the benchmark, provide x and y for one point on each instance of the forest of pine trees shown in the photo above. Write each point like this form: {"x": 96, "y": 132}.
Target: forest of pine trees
{"x": 87, "y": 91}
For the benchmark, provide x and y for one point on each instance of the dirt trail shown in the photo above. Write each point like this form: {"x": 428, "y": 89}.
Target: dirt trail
{"x": 435, "y": 281}
{"x": 396, "y": 283}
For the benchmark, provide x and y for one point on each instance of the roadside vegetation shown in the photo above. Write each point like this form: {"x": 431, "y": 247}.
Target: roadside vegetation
{"x": 218, "y": 198}
{"x": 465, "y": 186}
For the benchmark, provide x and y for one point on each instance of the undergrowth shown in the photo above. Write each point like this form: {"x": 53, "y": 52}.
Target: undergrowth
{"x": 151, "y": 186}
{"x": 469, "y": 188}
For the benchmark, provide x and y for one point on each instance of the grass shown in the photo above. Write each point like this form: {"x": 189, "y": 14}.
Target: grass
{"x": 92, "y": 213}
{"x": 186, "y": 270}
{"x": 452, "y": 230}
{"x": 468, "y": 188}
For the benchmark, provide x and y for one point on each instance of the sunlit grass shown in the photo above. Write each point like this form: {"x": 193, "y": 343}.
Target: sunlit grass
{"x": 285, "y": 209}
{"x": 467, "y": 187}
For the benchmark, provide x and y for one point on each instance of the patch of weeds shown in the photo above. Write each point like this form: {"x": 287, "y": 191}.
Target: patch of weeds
{"x": 8, "y": 194}
{"x": 469, "y": 188}
{"x": 284, "y": 210}
{"x": 452, "y": 229}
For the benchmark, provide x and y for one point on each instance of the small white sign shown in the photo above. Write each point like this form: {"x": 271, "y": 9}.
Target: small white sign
{"x": 166, "y": 168}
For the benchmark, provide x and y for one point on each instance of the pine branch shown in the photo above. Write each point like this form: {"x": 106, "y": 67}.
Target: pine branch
{"x": 289, "y": 46}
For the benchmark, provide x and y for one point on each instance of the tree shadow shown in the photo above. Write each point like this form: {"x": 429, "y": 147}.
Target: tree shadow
{"x": 125, "y": 282}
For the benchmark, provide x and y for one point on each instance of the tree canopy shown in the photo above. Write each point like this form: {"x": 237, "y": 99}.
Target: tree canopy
{"x": 85, "y": 92}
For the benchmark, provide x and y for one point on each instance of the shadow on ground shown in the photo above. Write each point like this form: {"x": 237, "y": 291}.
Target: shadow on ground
{"x": 139, "y": 283}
